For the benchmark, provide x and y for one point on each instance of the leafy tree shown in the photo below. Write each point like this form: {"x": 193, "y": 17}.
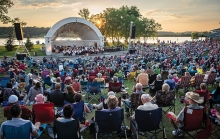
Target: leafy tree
{"x": 195, "y": 35}
{"x": 28, "y": 44}
{"x": 84, "y": 13}
{"x": 4, "y": 6}
{"x": 9, "y": 46}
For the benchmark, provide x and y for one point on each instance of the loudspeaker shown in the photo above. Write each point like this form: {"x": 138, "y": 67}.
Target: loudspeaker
{"x": 21, "y": 56}
{"x": 133, "y": 30}
{"x": 18, "y": 31}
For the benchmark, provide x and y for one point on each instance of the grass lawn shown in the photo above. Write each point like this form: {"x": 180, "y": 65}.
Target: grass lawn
{"x": 37, "y": 48}
{"x": 128, "y": 84}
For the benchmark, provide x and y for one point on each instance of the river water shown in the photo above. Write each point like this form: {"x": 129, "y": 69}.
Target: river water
{"x": 172, "y": 39}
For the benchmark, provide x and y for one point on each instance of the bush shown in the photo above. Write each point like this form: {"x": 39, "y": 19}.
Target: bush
{"x": 9, "y": 43}
{"x": 29, "y": 45}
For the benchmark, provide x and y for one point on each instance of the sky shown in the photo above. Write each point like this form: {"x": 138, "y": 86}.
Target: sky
{"x": 173, "y": 15}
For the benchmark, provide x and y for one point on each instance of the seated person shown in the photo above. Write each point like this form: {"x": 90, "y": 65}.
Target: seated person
{"x": 34, "y": 91}
{"x": 203, "y": 89}
{"x": 68, "y": 79}
{"x": 215, "y": 96}
{"x": 193, "y": 100}
{"x": 17, "y": 121}
{"x": 8, "y": 91}
{"x": 103, "y": 104}
{"x": 147, "y": 105}
{"x": 206, "y": 76}
{"x": 57, "y": 90}
{"x": 143, "y": 78}
{"x": 13, "y": 99}
{"x": 164, "y": 97}
{"x": 76, "y": 85}
{"x": 156, "y": 85}
{"x": 170, "y": 82}
{"x": 131, "y": 74}
{"x": 175, "y": 78}
{"x": 99, "y": 78}
{"x": 112, "y": 103}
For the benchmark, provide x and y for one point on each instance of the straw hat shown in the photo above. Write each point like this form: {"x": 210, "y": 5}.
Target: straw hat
{"x": 195, "y": 97}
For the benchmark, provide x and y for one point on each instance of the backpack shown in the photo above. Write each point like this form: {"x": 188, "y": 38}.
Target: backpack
{"x": 7, "y": 93}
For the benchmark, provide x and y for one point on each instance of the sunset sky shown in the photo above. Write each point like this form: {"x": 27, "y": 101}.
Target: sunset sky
{"x": 173, "y": 15}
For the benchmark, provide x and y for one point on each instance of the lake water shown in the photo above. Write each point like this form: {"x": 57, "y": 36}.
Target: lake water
{"x": 172, "y": 39}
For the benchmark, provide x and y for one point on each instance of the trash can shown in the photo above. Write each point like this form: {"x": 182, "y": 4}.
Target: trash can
{"x": 35, "y": 53}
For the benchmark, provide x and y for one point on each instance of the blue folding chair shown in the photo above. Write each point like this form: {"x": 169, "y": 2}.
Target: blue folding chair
{"x": 4, "y": 81}
{"x": 149, "y": 123}
{"x": 109, "y": 122}
{"x": 93, "y": 89}
{"x": 22, "y": 132}
{"x": 79, "y": 111}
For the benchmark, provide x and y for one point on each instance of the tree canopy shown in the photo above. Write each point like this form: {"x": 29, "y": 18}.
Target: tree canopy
{"x": 115, "y": 23}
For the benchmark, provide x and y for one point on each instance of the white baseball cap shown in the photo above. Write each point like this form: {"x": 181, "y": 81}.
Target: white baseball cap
{"x": 111, "y": 93}
{"x": 12, "y": 99}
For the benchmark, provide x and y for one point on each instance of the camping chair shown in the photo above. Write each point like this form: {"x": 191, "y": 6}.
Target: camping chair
{"x": 216, "y": 131}
{"x": 192, "y": 122}
{"x": 67, "y": 130}
{"x": 69, "y": 98}
{"x": 79, "y": 111}
{"x": 21, "y": 132}
{"x": 184, "y": 83}
{"x": 26, "y": 114}
{"x": 203, "y": 94}
{"x": 49, "y": 66}
{"x": 149, "y": 123}
{"x": 83, "y": 85}
{"x": 166, "y": 100}
{"x": 58, "y": 101}
{"x": 115, "y": 87}
{"x": 4, "y": 81}
{"x": 198, "y": 80}
{"x": 109, "y": 122}
{"x": 164, "y": 74}
{"x": 93, "y": 89}
{"x": 135, "y": 101}
{"x": 211, "y": 79}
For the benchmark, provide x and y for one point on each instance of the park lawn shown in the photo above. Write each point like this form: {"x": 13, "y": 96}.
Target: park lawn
{"x": 128, "y": 84}
{"x": 37, "y": 48}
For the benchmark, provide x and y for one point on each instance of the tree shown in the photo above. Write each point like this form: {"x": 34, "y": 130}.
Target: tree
{"x": 84, "y": 13}
{"x": 4, "y": 6}
{"x": 28, "y": 44}
{"x": 9, "y": 46}
{"x": 195, "y": 35}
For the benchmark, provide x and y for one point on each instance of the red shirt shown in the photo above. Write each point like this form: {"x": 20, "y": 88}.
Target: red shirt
{"x": 76, "y": 86}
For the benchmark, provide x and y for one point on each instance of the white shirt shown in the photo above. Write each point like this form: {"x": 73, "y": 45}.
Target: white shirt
{"x": 60, "y": 67}
{"x": 148, "y": 106}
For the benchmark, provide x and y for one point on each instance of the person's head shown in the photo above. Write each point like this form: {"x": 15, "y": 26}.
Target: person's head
{"x": 58, "y": 79}
{"x": 68, "y": 111}
{"x": 194, "y": 98}
{"x": 57, "y": 86}
{"x": 13, "y": 80}
{"x": 115, "y": 79}
{"x": 9, "y": 85}
{"x": 203, "y": 86}
{"x": 142, "y": 71}
{"x": 30, "y": 81}
{"x": 69, "y": 89}
{"x": 99, "y": 75}
{"x": 15, "y": 110}
{"x": 170, "y": 76}
{"x": 39, "y": 99}
{"x": 12, "y": 99}
{"x": 165, "y": 87}
{"x": 111, "y": 93}
{"x": 187, "y": 74}
{"x": 37, "y": 85}
{"x": 145, "y": 98}
{"x": 78, "y": 97}
{"x": 159, "y": 77}
{"x": 138, "y": 86}
{"x": 112, "y": 102}
{"x": 194, "y": 68}
{"x": 174, "y": 75}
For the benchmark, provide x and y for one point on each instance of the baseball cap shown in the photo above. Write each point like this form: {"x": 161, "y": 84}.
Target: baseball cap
{"x": 12, "y": 99}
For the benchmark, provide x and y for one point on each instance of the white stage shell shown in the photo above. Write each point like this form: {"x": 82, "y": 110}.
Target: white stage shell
{"x": 83, "y": 28}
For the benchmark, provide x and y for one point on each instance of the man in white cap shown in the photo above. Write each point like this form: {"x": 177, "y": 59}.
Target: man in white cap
{"x": 103, "y": 104}
{"x": 13, "y": 99}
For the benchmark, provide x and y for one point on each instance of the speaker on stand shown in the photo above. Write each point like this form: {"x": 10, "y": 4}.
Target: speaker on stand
{"x": 18, "y": 31}
{"x": 133, "y": 31}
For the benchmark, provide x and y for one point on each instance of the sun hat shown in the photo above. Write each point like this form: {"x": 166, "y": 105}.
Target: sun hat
{"x": 12, "y": 99}
{"x": 195, "y": 97}
{"x": 39, "y": 99}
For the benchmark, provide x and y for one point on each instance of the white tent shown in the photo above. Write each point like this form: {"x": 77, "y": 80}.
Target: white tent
{"x": 84, "y": 29}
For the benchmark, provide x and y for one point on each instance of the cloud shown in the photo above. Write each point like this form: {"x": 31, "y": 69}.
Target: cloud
{"x": 180, "y": 17}
{"x": 151, "y": 12}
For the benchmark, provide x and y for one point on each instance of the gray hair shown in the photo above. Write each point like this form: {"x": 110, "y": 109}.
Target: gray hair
{"x": 159, "y": 76}
{"x": 165, "y": 87}
{"x": 138, "y": 86}
{"x": 170, "y": 76}
{"x": 99, "y": 75}
{"x": 115, "y": 78}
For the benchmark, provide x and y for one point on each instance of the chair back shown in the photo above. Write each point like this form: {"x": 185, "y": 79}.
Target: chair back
{"x": 69, "y": 98}
{"x": 21, "y": 132}
{"x": 4, "y": 81}
{"x": 164, "y": 74}
{"x": 26, "y": 113}
{"x": 83, "y": 84}
{"x": 109, "y": 121}
{"x": 193, "y": 121}
{"x": 135, "y": 100}
{"x": 57, "y": 99}
{"x": 115, "y": 87}
{"x": 185, "y": 80}
{"x": 199, "y": 79}
{"x": 203, "y": 94}
{"x": 79, "y": 111}
{"x": 164, "y": 99}
{"x": 211, "y": 78}
{"x": 43, "y": 113}
{"x": 93, "y": 88}
{"x": 67, "y": 130}
{"x": 148, "y": 120}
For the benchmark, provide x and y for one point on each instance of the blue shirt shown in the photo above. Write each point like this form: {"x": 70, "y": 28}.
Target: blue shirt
{"x": 171, "y": 83}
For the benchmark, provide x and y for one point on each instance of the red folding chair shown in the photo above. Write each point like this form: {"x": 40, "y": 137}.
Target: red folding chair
{"x": 211, "y": 79}
{"x": 185, "y": 82}
{"x": 204, "y": 94}
{"x": 44, "y": 113}
{"x": 198, "y": 80}
{"x": 115, "y": 87}
{"x": 193, "y": 121}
